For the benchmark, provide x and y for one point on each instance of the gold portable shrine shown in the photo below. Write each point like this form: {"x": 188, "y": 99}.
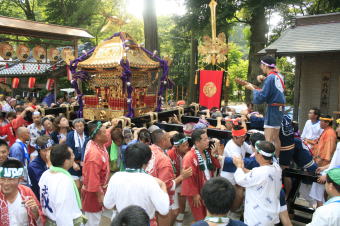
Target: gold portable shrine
{"x": 104, "y": 65}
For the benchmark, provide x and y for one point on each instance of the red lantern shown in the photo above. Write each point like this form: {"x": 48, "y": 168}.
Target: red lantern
{"x": 31, "y": 82}
{"x": 49, "y": 84}
{"x": 15, "y": 83}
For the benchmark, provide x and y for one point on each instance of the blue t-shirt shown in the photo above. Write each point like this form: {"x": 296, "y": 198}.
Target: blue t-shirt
{"x": 231, "y": 223}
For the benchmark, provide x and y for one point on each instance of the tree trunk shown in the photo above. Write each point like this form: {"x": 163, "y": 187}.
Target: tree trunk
{"x": 150, "y": 26}
{"x": 258, "y": 29}
{"x": 29, "y": 11}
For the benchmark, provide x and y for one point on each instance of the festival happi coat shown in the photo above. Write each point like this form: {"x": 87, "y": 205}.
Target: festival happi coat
{"x": 120, "y": 72}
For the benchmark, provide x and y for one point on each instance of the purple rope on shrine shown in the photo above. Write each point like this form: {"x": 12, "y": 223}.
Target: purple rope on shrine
{"x": 126, "y": 76}
{"x": 165, "y": 82}
{"x": 83, "y": 76}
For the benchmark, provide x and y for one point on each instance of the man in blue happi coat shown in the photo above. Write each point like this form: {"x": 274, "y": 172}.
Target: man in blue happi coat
{"x": 272, "y": 93}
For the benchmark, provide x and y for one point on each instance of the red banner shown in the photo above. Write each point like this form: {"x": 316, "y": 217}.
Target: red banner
{"x": 210, "y": 88}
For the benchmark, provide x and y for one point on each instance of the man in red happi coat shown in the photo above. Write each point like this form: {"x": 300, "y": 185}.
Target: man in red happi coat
{"x": 204, "y": 167}
{"x": 96, "y": 172}
{"x": 160, "y": 166}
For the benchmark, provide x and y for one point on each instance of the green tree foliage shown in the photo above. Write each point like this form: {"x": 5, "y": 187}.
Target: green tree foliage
{"x": 237, "y": 68}
{"x": 11, "y": 9}
{"x": 71, "y": 12}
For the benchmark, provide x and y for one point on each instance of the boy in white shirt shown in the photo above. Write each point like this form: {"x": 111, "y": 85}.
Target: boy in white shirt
{"x": 329, "y": 213}
{"x": 136, "y": 187}
{"x": 312, "y": 129}
{"x": 236, "y": 147}
{"x": 262, "y": 184}
{"x": 59, "y": 195}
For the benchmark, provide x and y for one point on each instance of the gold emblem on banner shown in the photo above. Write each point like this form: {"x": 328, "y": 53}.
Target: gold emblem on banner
{"x": 209, "y": 89}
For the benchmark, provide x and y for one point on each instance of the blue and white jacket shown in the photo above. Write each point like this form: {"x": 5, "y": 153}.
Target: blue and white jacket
{"x": 271, "y": 92}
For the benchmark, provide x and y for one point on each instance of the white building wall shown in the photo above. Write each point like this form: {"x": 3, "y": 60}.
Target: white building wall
{"x": 313, "y": 67}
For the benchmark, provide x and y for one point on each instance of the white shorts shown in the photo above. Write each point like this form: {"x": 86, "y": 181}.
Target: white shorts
{"x": 175, "y": 205}
{"x": 283, "y": 208}
{"x": 317, "y": 192}
{"x": 75, "y": 177}
{"x": 271, "y": 127}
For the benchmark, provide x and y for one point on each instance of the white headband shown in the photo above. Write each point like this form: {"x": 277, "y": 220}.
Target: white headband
{"x": 269, "y": 65}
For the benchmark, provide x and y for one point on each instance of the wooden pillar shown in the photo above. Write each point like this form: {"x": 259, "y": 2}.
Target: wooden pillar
{"x": 75, "y": 47}
{"x": 297, "y": 86}
{"x": 193, "y": 67}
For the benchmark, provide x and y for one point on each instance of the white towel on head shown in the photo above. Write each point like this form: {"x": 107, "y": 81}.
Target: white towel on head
{"x": 78, "y": 141}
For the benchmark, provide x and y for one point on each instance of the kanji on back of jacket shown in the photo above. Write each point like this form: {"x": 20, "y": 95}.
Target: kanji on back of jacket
{"x": 122, "y": 77}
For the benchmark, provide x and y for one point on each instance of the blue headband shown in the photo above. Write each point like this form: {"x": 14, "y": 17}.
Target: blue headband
{"x": 47, "y": 145}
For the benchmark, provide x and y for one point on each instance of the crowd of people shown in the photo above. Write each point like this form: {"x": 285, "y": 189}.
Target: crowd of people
{"x": 57, "y": 172}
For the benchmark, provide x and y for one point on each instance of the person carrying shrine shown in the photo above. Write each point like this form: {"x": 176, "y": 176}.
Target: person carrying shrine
{"x": 135, "y": 187}
{"x": 160, "y": 166}
{"x": 271, "y": 93}
{"x": 176, "y": 154}
{"x": 236, "y": 147}
{"x": 59, "y": 194}
{"x": 204, "y": 166}
{"x": 96, "y": 172}
{"x": 263, "y": 186}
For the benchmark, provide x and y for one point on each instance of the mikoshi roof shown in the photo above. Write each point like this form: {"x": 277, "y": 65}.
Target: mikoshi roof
{"x": 308, "y": 37}
{"x": 109, "y": 53}
{"x": 9, "y": 25}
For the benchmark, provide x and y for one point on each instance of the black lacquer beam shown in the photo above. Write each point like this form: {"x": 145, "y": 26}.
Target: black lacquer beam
{"x": 162, "y": 116}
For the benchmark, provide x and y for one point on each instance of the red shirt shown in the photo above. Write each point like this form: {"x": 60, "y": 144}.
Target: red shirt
{"x": 160, "y": 166}
{"x": 96, "y": 172}
{"x": 176, "y": 160}
{"x": 192, "y": 186}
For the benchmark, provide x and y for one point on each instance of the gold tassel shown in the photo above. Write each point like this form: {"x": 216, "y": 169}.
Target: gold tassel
{"x": 227, "y": 82}
{"x": 196, "y": 82}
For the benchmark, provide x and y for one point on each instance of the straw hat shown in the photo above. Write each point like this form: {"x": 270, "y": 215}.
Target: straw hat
{"x": 39, "y": 53}
{"x": 67, "y": 55}
{"x": 22, "y": 52}
{"x": 53, "y": 54}
{"x": 6, "y": 50}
